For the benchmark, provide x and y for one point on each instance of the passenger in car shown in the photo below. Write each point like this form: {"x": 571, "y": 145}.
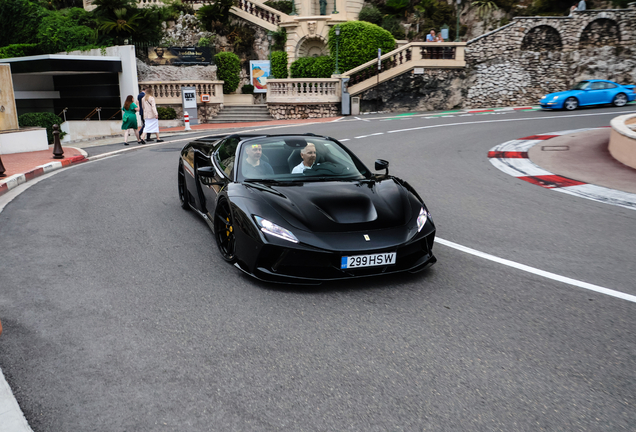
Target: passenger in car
{"x": 254, "y": 167}
{"x": 308, "y": 155}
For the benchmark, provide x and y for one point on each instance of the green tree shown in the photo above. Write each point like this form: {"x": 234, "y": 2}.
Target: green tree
{"x": 358, "y": 43}
{"x": 370, "y": 13}
{"x": 228, "y": 67}
{"x": 61, "y": 31}
{"x": 19, "y": 19}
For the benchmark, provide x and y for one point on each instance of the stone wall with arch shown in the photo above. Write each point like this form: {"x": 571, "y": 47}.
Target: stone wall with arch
{"x": 520, "y": 62}
{"x": 312, "y": 46}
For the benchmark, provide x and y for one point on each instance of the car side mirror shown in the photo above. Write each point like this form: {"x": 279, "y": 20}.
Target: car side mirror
{"x": 207, "y": 172}
{"x": 381, "y": 164}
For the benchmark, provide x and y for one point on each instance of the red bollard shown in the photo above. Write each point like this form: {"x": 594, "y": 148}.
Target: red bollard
{"x": 186, "y": 119}
{"x": 58, "y": 153}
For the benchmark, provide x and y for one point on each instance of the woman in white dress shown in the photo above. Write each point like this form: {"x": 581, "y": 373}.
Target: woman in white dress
{"x": 151, "y": 117}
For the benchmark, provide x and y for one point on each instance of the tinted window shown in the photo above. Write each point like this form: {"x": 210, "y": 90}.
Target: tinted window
{"x": 581, "y": 86}
{"x": 610, "y": 85}
{"x": 225, "y": 155}
{"x": 597, "y": 86}
{"x": 281, "y": 159}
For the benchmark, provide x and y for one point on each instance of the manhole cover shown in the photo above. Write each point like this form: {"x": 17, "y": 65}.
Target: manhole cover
{"x": 555, "y": 148}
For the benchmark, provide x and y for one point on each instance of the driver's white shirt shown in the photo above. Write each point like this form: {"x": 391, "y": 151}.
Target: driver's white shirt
{"x": 298, "y": 169}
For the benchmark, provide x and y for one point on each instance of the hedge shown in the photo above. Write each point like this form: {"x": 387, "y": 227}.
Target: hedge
{"x": 358, "y": 43}
{"x": 247, "y": 89}
{"x": 166, "y": 113}
{"x": 313, "y": 67}
{"x": 18, "y": 50}
{"x": 42, "y": 119}
{"x": 228, "y": 68}
{"x": 279, "y": 65}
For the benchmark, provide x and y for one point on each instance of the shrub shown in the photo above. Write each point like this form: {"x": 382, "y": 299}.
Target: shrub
{"x": 18, "y": 50}
{"x": 60, "y": 31}
{"x": 166, "y": 113}
{"x": 359, "y": 42}
{"x": 247, "y": 89}
{"x": 370, "y": 13}
{"x": 279, "y": 65}
{"x": 285, "y": 6}
{"x": 42, "y": 119}
{"x": 301, "y": 68}
{"x": 323, "y": 67}
{"x": 19, "y": 20}
{"x": 228, "y": 67}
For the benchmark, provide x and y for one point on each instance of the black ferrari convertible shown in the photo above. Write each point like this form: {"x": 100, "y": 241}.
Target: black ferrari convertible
{"x": 303, "y": 208}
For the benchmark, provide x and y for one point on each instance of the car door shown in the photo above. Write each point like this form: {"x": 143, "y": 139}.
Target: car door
{"x": 222, "y": 165}
{"x": 597, "y": 93}
{"x": 611, "y": 90}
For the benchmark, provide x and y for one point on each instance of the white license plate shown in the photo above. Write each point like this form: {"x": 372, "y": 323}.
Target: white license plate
{"x": 368, "y": 260}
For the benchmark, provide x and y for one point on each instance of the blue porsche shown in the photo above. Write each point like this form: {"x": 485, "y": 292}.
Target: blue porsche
{"x": 590, "y": 92}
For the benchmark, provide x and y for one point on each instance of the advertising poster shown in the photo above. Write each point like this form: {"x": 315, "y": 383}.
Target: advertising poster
{"x": 177, "y": 56}
{"x": 259, "y": 72}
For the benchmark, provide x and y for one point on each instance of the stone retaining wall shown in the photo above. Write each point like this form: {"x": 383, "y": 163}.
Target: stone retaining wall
{"x": 520, "y": 62}
{"x": 305, "y": 111}
{"x": 209, "y": 112}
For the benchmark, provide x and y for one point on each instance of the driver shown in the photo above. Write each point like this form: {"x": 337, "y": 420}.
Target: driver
{"x": 308, "y": 155}
{"x": 254, "y": 167}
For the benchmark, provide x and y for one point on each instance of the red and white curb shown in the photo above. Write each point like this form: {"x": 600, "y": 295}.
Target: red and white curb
{"x": 15, "y": 180}
{"x": 511, "y": 157}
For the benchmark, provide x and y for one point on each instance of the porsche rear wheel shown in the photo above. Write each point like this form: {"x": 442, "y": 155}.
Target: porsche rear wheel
{"x": 224, "y": 231}
{"x": 571, "y": 104}
{"x": 620, "y": 100}
{"x": 183, "y": 197}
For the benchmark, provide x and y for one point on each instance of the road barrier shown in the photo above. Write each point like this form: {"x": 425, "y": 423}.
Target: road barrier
{"x": 622, "y": 145}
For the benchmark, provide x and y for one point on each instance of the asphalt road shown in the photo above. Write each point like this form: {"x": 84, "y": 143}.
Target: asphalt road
{"x": 120, "y": 315}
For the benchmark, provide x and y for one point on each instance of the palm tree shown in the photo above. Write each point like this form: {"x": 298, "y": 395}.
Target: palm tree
{"x": 120, "y": 24}
{"x": 484, "y": 7}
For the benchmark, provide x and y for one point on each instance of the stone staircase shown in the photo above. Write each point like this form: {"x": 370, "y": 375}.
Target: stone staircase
{"x": 242, "y": 113}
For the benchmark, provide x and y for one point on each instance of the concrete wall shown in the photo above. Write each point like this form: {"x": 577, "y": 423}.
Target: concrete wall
{"x": 622, "y": 145}
{"x": 24, "y": 140}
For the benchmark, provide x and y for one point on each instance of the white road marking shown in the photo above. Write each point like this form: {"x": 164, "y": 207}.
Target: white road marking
{"x": 538, "y": 272}
{"x": 342, "y": 140}
{"x": 337, "y": 120}
{"x": 365, "y": 136}
{"x": 507, "y": 120}
{"x": 358, "y": 118}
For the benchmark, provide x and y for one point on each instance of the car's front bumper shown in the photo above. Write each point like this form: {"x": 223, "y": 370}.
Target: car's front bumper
{"x": 299, "y": 264}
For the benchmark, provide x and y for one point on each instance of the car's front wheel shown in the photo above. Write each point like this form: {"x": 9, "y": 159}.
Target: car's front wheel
{"x": 183, "y": 194}
{"x": 620, "y": 100}
{"x": 571, "y": 103}
{"x": 224, "y": 231}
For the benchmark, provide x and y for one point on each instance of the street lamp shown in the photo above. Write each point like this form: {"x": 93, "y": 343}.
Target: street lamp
{"x": 293, "y": 12}
{"x": 269, "y": 39}
{"x": 459, "y": 2}
{"x": 334, "y": 8}
{"x": 337, "y": 31}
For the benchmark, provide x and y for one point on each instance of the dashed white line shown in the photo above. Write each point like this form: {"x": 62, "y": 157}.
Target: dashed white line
{"x": 538, "y": 272}
{"x": 506, "y": 120}
{"x": 365, "y": 136}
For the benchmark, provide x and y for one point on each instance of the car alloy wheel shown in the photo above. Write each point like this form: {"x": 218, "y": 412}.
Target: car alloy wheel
{"x": 224, "y": 231}
{"x": 571, "y": 103}
{"x": 182, "y": 188}
{"x": 620, "y": 100}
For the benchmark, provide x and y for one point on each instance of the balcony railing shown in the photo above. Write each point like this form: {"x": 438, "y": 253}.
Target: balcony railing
{"x": 303, "y": 90}
{"x": 170, "y": 92}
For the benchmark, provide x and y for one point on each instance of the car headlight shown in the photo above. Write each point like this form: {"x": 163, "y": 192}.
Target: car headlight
{"x": 421, "y": 219}
{"x": 555, "y": 98}
{"x": 277, "y": 231}
{"x": 544, "y": 97}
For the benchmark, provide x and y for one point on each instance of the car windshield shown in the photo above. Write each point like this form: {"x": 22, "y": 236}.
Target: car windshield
{"x": 298, "y": 158}
{"x": 581, "y": 85}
